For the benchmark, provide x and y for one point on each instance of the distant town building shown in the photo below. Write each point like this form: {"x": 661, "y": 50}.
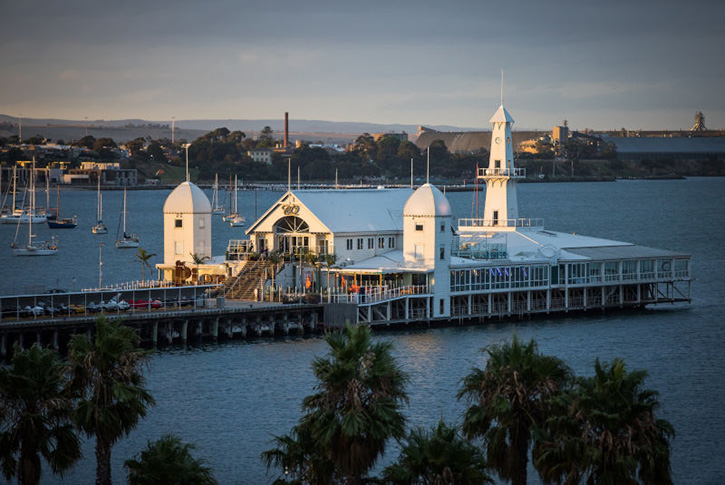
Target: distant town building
{"x": 261, "y": 155}
{"x": 403, "y": 136}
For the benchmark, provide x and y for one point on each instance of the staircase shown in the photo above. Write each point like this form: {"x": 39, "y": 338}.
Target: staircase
{"x": 242, "y": 286}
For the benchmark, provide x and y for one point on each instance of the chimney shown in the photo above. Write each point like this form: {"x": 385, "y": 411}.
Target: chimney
{"x": 286, "y": 129}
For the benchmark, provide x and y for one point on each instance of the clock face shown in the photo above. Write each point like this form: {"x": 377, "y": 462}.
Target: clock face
{"x": 497, "y": 140}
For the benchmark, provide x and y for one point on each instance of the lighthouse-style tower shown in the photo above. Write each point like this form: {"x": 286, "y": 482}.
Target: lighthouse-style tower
{"x": 502, "y": 208}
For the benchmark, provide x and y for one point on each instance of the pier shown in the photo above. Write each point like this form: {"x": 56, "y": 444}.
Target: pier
{"x": 161, "y": 316}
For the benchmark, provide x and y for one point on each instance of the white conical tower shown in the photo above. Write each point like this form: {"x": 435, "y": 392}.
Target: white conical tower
{"x": 501, "y": 208}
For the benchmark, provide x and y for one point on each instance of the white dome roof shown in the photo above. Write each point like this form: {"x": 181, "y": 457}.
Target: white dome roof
{"x": 187, "y": 198}
{"x": 427, "y": 200}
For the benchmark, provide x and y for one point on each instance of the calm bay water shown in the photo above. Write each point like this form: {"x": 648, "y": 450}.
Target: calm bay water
{"x": 229, "y": 399}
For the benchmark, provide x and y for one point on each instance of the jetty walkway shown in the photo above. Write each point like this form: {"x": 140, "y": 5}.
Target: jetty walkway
{"x": 161, "y": 316}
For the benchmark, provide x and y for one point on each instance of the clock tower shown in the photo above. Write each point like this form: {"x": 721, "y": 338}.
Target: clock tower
{"x": 501, "y": 207}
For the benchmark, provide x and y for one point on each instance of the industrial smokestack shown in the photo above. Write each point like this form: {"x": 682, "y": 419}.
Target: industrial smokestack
{"x": 286, "y": 129}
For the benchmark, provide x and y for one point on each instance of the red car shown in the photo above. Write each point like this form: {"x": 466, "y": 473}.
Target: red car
{"x": 145, "y": 303}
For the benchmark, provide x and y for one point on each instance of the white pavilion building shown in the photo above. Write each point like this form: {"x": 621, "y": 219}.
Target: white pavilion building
{"x": 401, "y": 256}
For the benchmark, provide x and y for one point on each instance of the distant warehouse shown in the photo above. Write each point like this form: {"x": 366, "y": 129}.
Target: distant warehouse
{"x": 666, "y": 148}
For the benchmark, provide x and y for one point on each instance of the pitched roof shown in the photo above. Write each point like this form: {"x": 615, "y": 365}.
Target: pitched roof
{"x": 350, "y": 210}
{"x": 356, "y": 210}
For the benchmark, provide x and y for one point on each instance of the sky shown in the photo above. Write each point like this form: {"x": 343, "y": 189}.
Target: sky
{"x": 638, "y": 64}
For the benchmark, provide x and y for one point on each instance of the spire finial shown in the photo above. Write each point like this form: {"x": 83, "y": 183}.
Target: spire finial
{"x": 501, "y": 87}
{"x": 427, "y": 168}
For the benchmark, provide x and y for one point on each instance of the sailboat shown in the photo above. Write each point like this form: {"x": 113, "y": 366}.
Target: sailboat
{"x": 33, "y": 248}
{"x": 100, "y": 227}
{"x": 126, "y": 240}
{"x": 234, "y": 218}
{"x": 22, "y": 216}
{"x": 216, "y": 208}
{"x": 61, "y": 223}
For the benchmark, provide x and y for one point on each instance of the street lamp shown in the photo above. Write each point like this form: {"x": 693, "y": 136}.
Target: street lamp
{"x": 100, "y": 265}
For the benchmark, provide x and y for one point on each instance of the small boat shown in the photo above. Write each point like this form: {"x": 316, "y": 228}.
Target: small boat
{"x": 33, "y": 247}
{"x": 126, "y": 240}
{"x": 234, "y": 218}
{"x": 56, "y": 222}
{"x": 100, "y": 227}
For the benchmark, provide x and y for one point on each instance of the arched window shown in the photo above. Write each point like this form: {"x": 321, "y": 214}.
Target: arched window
{"x": 291, "y": 224}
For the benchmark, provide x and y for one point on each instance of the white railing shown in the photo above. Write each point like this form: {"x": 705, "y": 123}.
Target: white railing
{"x": 502, "y": 172}
{"x": 135, "y": 285}
{"x": 374, "y": 294}
{"x": 531, "y": 223}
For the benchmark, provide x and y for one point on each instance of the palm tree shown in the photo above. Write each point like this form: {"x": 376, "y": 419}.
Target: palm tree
{"x": 169, "y": 461}
{"x": 143, "y": 256}
{"x": 35, "y": 416}
{"x": 439, "y": 456}
{"x": 329, "y": 260}
{"x": 107, "y": 372}
{"x": 274, "y": 258}
{"x": 360, "y": 390}
{"x": 604, "y": 430}
{"x": 198, "y": 259}
{"x": 357, "y": 406}
{"x": 507, "y": 399}
{"x": 300, "y": 458}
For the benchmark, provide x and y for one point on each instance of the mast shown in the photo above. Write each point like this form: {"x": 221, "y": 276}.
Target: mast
{"x": 98, "y": 196}
{"x": 124, "y": 212}
{"x": 32, "y": 205}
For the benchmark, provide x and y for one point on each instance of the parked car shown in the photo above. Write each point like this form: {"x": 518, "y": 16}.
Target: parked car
{"x": 145, "y": 304}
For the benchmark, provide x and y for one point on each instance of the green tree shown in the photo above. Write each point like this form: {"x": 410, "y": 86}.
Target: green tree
{"x": 300, "y": 458}
{"x": 356, "y": 409}
{"x": 107, "y": 374}
{"x": 35, "y": 416}
{"x": 198, "y": 259}
{"x": 604, "y": 430}
{"x": 439, "y": 456}
{"x": 156, "y": 153}
{"x": 86, "y": 142}
{"x": 367, "y": 148}
{"x": 168, "y": 461}
{"x": 507, "y": 399}
{"x": 143, "y": 257}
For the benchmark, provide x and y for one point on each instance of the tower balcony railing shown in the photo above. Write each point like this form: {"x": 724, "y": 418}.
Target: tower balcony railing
{"x": 535, "y": 223}
{"x": 517, "y": 173}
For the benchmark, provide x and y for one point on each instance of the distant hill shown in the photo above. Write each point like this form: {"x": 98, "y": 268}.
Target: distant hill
{"x": 123, "y": 130}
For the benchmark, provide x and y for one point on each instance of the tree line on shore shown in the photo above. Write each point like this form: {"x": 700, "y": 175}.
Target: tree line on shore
{"x": 522, "y": 406}
{"x": 386, "y": 158}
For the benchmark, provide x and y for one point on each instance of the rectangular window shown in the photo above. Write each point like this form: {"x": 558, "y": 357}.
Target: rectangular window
{"x": 349, "y": 244}
{"x": 419, "y": 227}
{"x": 178, "y": 223}
{"x": 442, "y": 252}
{"x": 371, "y": 243}
{"x": 442, "y": 306}
{"x": 202, "y": 223}
{"x": 443, "y": 228}
{"x": 391, "y": 242}
{"x": 360, "y": 243}
{"x": 497, "y": 164}
{"x": 495, "y": 217}
{"x": 178, "y": 247}
{"x": 381, "y": 243}
{"x": 418, "y": 251}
